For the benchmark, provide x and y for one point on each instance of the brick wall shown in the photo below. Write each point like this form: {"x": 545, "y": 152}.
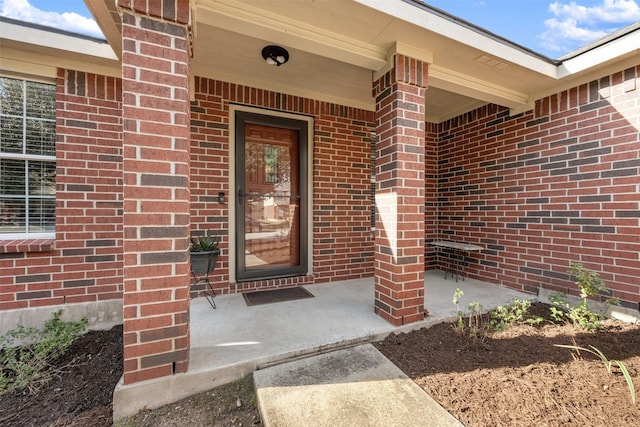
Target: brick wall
{"x": 431, "y": 193}
{"x": 342, "y": 241}
{"x": 84, "y": 263}
{"x": 156, "y": 184}
{"x": 400, "y": 191}
{"x": 557, "y": 184}
{"x": 210, "y": 174}
{"x": 342, "y": 238}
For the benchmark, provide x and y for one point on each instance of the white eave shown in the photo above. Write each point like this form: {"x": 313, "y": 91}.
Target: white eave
{"x": 336, "y": 47}
{"x": 462, "y": 32}
{"x": 619, "y": 45}
{"x": 37, "y": 50}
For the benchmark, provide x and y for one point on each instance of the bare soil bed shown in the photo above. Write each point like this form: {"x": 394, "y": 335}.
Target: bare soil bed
{"x": 81, "y": 391}
{"x": 516, "y": 377}
{"x": 81, "y": 394}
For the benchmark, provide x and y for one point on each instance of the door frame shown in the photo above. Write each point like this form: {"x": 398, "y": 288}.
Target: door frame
{"x": 269, "y": 118}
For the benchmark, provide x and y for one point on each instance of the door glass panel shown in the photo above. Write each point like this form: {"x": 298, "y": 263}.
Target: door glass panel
{"x": 271, "y": 198}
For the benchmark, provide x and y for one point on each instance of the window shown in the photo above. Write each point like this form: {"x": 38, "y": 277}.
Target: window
{"x": 27, "y": 158}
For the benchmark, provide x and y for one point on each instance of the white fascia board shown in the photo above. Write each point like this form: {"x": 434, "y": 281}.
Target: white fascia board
{"x": 44, "y": 63}
{"x": 27, "y": 68}
{"x": 412, "y": 13}
{"x": 626, "y": 45}
{"x": 262, "y": 24}
{"x": 464, "y": 84}
{"x": 54, "y": 40}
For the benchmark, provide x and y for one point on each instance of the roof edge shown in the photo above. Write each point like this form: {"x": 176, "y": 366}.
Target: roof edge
{"x": 482, "y": 31}
{"x": 601, "y": 42}
{"x": 52, "y": 30}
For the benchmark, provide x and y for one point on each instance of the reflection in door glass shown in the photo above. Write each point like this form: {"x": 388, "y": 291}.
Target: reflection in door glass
{"x": 271, "y": 204}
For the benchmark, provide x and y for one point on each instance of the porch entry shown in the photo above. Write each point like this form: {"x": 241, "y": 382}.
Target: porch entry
{"x": 271, "y": 218}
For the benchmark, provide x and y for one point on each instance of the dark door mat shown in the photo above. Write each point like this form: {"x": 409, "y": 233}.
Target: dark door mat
{"x": 276, "y": 295}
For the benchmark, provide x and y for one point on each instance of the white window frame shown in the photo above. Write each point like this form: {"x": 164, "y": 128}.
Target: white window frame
{"x": 29, "y": 157}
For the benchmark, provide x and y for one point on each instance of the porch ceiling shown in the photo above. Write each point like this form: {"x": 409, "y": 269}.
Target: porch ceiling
{"x": 337, "y": 46}
{"x": 334, "y": 51}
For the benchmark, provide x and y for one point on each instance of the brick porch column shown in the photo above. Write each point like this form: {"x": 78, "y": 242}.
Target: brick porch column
{"x": 155, "y": 86}
{"x": 400, "y": 165}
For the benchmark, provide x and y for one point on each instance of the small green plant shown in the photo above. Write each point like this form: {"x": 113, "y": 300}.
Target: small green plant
{"x": 589, "y": 283}
{"x": 515, "y": 312}
{"x": 608, "y": 364}
{"x": 25, "y": 365}
{"x": 456, "y": 301}
{"x": 204, "y": 243}
{"x": 475, "y": 318}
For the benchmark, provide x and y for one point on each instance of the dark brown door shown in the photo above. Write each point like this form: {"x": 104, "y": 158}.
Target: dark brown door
{"x": 269, "y": 202}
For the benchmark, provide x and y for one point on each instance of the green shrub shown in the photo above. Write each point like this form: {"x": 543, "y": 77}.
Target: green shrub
{"x": 515, "y": 312}
{"x": 25, "y": 365}
{"x": 589, "y": 283}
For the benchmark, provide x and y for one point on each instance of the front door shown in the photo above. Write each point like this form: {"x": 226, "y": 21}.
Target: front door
{"x": 270, "y": 237}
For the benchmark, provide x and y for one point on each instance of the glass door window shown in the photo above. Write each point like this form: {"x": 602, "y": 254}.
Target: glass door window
{"x": 270, "y": 209}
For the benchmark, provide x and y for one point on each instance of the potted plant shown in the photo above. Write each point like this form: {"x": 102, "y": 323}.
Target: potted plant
{"x": 204, "y": 253}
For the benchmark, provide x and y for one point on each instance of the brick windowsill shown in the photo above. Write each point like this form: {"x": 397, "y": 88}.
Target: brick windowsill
{"x": 26, "y": 245}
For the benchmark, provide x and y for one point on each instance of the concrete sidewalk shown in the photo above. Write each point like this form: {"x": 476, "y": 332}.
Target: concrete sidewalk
{"x": 234, "y": 340}
{"x": 357, "y": 386}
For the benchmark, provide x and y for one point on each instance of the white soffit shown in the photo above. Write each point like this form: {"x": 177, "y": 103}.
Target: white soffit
{"x": 263, "y": 24}
{"x": 441, "y": 105}
{"x": 221, "y": 54}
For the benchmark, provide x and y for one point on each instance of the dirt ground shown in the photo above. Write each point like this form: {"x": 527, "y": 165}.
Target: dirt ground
{"x": 516, "y": 377}
{"x": 80, "y": 393}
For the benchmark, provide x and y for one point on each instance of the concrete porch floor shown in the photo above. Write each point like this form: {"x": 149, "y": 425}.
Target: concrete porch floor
{"x": 234, "y": 340}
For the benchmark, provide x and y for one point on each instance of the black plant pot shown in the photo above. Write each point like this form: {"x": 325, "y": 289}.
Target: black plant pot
{"x": 203, "y": 263}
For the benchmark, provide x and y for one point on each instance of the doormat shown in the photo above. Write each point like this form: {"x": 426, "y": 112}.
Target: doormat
{"x": 276, "y": 295}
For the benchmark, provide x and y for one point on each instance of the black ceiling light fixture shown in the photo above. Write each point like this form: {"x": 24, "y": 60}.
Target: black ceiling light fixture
{"x": 275, "y": 55}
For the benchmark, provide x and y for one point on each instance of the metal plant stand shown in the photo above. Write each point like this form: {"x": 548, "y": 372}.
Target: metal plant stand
{"x": 209, "y": 292}
{"x": 201, "y": 264}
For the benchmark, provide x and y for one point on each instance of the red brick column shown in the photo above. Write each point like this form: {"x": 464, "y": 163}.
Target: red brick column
{"x": 155, "y": 85}
{"x": 400, "y": 166}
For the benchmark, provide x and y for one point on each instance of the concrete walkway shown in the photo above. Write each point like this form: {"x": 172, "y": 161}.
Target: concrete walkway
{"x": 234, "y": 340}
{"x": 357, "y": 386}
